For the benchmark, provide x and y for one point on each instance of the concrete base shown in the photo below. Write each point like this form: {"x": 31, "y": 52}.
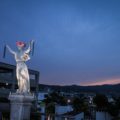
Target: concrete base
{"x": 20, "y": 106}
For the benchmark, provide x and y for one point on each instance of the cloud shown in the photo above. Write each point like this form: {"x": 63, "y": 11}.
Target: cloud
{"x": 103, "y": 82}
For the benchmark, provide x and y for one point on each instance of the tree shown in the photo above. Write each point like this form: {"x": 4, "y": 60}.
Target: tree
{"x": 78, "y": 104}
{"x": 56, "y": 98}
{"x": 113, "y": 110}
{"x": 101, "y": 101}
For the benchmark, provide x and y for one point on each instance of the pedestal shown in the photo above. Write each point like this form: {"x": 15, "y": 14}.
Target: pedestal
{"x": 20, "y": 106}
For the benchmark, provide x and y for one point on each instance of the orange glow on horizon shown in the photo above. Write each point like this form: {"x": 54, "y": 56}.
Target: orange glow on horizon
{"x": 109, "y": 81}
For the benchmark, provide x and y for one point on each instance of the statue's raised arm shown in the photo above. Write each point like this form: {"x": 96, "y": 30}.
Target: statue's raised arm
{"x": 30, "y": 47}
{"x": 10, "y": 50}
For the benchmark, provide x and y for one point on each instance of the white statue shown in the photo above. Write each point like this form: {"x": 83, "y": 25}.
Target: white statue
{"x": 21, "y": 56}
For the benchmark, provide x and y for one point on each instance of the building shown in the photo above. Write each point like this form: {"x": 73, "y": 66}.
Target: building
{"x": 73, "y": 116}
{"x": 60, "y": 110}
{"x": 101, "y": 115}
{"x": 42, "y": 96}
{"x": 8, "y": 83}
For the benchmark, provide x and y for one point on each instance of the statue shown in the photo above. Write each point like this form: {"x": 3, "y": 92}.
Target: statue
{"x": 21, "y": 56}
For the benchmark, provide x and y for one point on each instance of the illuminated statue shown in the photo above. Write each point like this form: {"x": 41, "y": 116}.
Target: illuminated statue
{"x": 21, "y": 56}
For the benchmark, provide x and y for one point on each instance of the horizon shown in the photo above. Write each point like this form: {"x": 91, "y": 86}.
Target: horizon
{"x": 76, "y": 42}
{"x": 81, "y": 85}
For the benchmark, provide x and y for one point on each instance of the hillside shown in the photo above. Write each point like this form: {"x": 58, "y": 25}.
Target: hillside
{"x": 75, "y": 88}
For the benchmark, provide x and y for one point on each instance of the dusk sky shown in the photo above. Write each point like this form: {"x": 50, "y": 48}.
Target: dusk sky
{"x": 76, "y": 41}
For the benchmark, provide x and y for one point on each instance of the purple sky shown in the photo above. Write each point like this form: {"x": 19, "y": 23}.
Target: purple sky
{"x": 77, "y": 41}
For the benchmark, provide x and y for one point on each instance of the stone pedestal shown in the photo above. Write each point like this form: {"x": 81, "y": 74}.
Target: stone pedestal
{"x": 20, "y": 106}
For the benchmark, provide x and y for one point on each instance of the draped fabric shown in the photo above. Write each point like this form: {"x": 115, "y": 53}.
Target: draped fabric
{"x": 22, "y": 72}
{"x": 22, "y": 77}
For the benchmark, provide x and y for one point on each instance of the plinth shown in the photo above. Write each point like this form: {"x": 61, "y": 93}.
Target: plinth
{"x": 20, "y": 106}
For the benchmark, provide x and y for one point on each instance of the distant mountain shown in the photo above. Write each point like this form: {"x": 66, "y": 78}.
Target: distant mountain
{"x": 76, "y": 88}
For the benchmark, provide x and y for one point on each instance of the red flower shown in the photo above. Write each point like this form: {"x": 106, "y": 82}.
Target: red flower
{"x": 20, "y": 44}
